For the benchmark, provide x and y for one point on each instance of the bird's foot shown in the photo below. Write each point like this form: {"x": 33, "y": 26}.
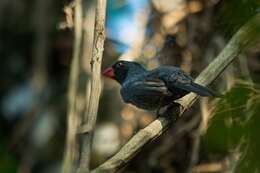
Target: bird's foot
{"x": 171, "y": 110}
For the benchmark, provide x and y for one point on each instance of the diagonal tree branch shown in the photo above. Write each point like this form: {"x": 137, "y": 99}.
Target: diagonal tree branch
{"x": 246, "y": 36}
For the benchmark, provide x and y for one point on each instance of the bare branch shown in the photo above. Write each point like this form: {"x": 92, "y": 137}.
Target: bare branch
{"x": 71, "y": 151}
{"x": 88, "y": 24}
{"x": 89, "y": 27}
{"x": 246, "y": 35}
{"x": 94, "y": 83}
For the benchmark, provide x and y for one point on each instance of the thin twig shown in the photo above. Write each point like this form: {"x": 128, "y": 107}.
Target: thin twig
{"x": 248, "y": 34}
{"x": 244, "y": 68}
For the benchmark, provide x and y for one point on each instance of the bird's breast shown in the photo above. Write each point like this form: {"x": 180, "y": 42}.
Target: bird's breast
{"x": 140, "y": 97}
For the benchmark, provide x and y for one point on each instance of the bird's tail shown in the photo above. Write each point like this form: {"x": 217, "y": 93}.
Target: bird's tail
{"x": 203, "y": 91}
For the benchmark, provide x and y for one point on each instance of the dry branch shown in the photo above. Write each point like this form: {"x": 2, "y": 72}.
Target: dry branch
{"x": 94, "y": 83}
{"x": 71, "y": 150}
{"x": 88, "y": 50}
{"x": 89, "y": 15}
{"x": 246, "y": 35}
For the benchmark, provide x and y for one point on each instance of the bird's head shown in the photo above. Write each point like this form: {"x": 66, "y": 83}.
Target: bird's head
{"x": 120, "y": 70}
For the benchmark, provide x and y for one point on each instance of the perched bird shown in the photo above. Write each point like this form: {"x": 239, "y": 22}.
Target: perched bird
{"x": 153, "y": 89}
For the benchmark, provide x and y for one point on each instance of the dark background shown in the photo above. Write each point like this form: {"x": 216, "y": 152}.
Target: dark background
{"x": 36, "y": 50}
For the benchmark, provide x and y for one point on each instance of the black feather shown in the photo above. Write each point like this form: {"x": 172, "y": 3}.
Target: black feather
{"x": 202, "y": 90}
{"x": 155, "y": 88}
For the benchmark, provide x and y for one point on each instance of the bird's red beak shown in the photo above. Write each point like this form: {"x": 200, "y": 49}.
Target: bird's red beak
{"x": 109, "y": 72}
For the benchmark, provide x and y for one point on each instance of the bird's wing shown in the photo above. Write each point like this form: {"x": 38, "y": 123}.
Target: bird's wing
{"x": 147, "y": 90}
{"x": 150, "y": 86}
{"x": 182, "y": 81}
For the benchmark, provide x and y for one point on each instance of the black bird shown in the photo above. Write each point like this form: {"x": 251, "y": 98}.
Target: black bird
{"x": 153, "y": 89}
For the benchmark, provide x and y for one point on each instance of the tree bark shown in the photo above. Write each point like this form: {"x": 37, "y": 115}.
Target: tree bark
{"x": 94, "y": 83}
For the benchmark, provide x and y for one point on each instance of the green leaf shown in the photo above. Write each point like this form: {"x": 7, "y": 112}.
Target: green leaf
{"x": 236, "y": 121}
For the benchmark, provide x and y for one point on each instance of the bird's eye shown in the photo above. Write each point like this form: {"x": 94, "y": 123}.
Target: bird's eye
{"x": 119, "y": 65}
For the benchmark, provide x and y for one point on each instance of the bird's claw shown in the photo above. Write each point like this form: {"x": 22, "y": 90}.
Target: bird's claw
{"x": 169, "y": 110}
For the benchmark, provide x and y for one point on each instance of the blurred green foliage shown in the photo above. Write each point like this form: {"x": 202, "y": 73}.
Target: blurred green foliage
{"x": 236, "y": 126}
{"x": 8, "y": 163}
{"x": 233, "y": 14}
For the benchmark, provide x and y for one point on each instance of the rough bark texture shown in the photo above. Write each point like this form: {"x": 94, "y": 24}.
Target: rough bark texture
{"x": 87, "y": 57}
{"x": 94, "y": 85}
